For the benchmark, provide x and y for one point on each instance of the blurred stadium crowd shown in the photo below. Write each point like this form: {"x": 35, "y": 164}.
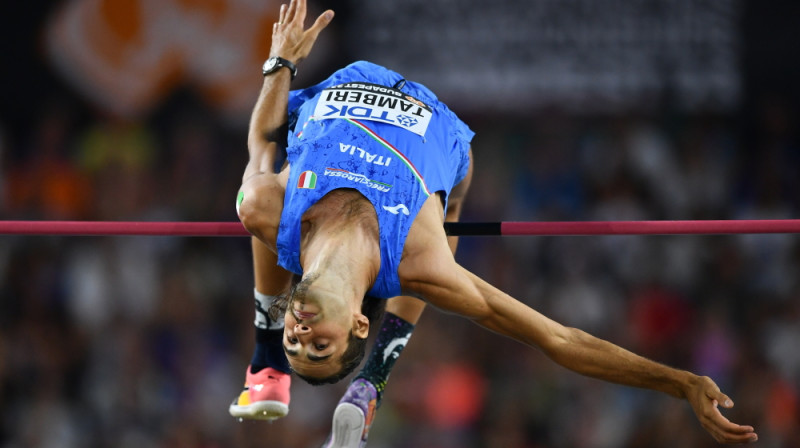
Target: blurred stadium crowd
{"x": 138, "y": 342}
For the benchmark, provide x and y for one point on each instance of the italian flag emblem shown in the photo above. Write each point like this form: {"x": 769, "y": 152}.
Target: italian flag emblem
{"x": 308, "y": 179}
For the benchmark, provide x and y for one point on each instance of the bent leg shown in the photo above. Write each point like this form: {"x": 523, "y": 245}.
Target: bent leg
{"x": 270, "y": 281}
{"x": 267, "y": 381}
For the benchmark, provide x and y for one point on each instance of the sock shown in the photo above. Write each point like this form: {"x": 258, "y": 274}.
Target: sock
{"x": 390, "y": 341}
{"x": 269, "y": 337}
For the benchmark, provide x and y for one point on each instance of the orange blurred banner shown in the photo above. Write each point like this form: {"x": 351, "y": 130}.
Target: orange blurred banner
{"x": 126, "y": 55}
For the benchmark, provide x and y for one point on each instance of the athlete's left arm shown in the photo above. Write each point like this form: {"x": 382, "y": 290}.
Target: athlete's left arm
{"x": 291, "y": 41}
{"x": 260, "y": 199}
{"x": 448, "y": 286}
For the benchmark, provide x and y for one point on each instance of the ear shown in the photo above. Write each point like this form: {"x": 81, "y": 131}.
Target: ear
{"x": 360, "y": 326}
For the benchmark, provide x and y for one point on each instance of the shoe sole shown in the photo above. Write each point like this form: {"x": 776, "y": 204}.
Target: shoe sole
{"x": 264, "y": 410}
{"x": 348, "y": 426}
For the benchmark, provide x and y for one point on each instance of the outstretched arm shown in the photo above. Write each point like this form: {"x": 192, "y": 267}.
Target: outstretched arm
{"x": 260, "y": 198}
{"x": 291, "y": 41}
{"x": 453, "y": 288}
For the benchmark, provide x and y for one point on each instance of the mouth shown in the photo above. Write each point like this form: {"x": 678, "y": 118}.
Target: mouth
{"x": 303, "y": 315}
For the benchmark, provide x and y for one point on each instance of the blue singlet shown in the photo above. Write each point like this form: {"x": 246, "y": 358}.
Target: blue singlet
{"x": 396, "y": 146}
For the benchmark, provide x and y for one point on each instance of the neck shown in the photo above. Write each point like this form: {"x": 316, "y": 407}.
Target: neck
{"x": 341, "y": 243}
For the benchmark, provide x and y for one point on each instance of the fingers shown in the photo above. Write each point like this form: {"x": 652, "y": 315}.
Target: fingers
{"x": 296, "y": 10}
{"x": 725, "y": 431}
{"x": 290, "y": 11}
{"x": 706, "y": 406}
{"x": 289, "y": 38}
{"x": 719, "y": 398}
{"x": 282, "y": 14}
{"x": 322, "y": 21}
{"x": 739, "y": 434}
{"x": 300, "y": 9}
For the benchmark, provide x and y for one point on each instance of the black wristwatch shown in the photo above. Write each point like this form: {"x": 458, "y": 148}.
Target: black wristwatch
{"x": 274, "y": 63}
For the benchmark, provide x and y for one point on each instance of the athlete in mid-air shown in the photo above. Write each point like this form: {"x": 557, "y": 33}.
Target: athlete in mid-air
{"x": 375, "y": 165}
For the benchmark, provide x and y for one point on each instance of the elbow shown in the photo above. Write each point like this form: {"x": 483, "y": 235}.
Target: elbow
{"x": 257, "y": 208}
{"x": 561, "y": 342}
{"x": 250, "y": 215}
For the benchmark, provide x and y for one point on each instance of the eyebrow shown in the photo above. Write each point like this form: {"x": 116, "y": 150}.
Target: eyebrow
{"x": 311, "y": 357}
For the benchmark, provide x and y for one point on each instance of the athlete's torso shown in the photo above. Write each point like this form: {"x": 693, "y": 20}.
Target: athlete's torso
{"x": 396, "y": 147}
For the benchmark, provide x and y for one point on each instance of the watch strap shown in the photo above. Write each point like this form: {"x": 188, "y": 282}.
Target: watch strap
{"x": 281, "y": 62}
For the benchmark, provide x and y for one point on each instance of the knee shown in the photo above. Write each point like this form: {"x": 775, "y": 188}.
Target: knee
{"x": 454, "y": 206}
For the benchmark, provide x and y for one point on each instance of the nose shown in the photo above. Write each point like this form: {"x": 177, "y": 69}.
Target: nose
{"x": 301, "y": 329}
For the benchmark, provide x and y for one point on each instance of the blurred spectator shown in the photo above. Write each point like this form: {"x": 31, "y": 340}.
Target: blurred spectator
{"x": 46, "y": 183}
{"x": 120, "y": 156}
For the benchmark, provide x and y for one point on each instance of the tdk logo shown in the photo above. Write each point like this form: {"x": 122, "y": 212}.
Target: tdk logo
{"x": 407, "y": 121}
{"x": 364, "y": 101}
{"x": 366, "y": 113}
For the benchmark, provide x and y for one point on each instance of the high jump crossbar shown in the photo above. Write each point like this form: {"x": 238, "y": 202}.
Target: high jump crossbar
{"x": 506, "y": 228}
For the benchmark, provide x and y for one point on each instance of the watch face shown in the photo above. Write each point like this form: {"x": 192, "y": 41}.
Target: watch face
{"x": 269, "y": 65}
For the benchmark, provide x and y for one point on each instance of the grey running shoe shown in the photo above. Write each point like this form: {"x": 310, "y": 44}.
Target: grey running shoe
{"x": 353, "y": 416}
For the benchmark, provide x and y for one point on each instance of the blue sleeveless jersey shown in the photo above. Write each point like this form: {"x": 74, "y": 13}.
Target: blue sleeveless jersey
{"x": 396, "y": 146}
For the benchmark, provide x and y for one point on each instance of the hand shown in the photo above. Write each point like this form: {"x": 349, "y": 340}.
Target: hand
{"x": 705, "y": 397}
{"x": 289, "y": 38}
